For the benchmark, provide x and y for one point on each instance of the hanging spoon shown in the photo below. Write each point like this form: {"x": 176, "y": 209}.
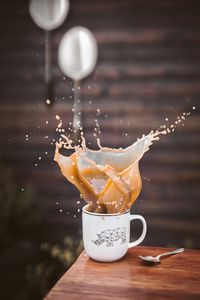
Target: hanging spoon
{"x": 48, "y": 15}
{"x": 77, "y": 56}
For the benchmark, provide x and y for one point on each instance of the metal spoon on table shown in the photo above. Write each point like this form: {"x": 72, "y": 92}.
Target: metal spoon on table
{"x": 77, "y": 56}
{"x": 156, "y": 259}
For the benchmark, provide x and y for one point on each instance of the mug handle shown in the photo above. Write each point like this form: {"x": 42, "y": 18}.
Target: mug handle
{"x": 144, "y": 231}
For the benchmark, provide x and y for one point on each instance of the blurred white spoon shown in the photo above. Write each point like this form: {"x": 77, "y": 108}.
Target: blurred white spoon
{"x": 77, "y": 56}
{"x": 156, "y": 259}
{"x": 48, "y": 15}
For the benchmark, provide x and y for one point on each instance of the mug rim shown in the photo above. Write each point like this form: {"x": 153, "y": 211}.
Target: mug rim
{"x": 103, "y": 215}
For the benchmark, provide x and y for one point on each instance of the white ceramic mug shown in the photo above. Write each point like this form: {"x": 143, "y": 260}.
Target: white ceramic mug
{"x": 106, "y": 236}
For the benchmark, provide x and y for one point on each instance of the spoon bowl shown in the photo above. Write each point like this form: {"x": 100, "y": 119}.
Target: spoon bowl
{"x": 150, "y": 259}
{"x": 77, "y": 53}
{"x": 48, "y": 14}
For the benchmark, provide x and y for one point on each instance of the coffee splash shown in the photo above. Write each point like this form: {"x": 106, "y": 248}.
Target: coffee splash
{"x": 108, "y": 179}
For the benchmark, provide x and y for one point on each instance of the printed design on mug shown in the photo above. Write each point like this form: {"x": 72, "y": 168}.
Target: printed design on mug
{"x": 110, "y": 236}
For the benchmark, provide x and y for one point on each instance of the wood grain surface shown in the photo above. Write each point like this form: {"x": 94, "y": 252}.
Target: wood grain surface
{"x": 176, "y": 277}
{"x": 148, "y": 69}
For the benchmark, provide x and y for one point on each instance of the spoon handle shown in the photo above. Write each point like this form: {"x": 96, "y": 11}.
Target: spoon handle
{"x": 171, "y": 252}
{"x": 77, "y": 107}
{"x": 48, "y": 78}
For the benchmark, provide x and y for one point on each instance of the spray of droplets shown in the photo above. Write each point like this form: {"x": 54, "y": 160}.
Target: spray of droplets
{"x": 179, "y": 121}
{"x": 64, "y": 140}
{"x": 72, "y": 214}
{"x": 59, "y": 126}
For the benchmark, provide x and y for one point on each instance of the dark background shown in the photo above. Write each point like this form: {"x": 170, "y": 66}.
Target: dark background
{"x": 148, "y": 69}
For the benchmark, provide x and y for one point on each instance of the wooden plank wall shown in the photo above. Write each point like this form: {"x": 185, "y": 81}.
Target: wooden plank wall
{"x": 148, "y": 69}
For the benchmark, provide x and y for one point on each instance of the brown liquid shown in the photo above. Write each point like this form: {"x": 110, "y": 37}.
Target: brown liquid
{"x": 108, "y": 179}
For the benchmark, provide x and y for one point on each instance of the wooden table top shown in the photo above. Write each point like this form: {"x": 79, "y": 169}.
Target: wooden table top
{"x": 176, "y": 277}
